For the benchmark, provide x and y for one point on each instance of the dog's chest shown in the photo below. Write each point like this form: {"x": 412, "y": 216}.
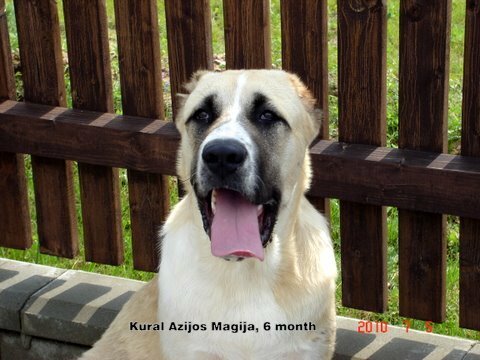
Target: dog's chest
{"x": 230, "y": 314}
{"x": 215, "y": 321}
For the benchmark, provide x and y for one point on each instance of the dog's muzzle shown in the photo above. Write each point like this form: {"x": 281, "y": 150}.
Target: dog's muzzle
{"x": 237, "y": 217}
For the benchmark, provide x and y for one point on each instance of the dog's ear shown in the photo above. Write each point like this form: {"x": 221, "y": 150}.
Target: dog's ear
{"x": 303, "y": 93}
{"x": 188, "y": 87}
{"x": 309, "y": 102}
{"x": 194, "y": 79}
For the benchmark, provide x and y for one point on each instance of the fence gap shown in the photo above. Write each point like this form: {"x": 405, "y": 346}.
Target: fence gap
{"x": 142, "y": 95}
{"x": 276, "y": 32}
{"x": 362, "y": 106}
{"x": 15, "y": 224}
{"x": 91, "y": 87}
{"x": 247, "y": 34}
{"x": 42, "y": 73}
{"x": 304, "y": 52}
{"x": 423, "y": 91}
{"x": 469, "y": 228}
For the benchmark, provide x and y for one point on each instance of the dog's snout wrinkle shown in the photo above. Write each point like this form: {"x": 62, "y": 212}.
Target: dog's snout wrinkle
{"x": 224, "y": 157}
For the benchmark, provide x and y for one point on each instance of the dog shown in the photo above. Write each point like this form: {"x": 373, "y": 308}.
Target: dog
{"x": 247, "y": 269}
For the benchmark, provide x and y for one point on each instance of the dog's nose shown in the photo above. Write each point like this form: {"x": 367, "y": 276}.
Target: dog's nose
{"x": 223, "y": 157}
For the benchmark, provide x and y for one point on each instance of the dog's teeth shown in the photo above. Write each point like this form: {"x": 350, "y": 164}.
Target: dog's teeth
{"x": 259, "y": 210}
{"x": 214, "y": 200}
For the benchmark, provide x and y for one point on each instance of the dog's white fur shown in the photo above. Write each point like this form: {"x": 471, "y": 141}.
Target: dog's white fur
{"x": 293, "y": 285}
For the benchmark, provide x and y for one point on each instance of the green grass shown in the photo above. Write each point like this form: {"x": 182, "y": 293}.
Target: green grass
{"x": 450, "y": 327}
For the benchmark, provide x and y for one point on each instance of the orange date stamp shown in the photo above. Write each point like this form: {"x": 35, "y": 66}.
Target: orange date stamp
{"x": 382, "y": 327}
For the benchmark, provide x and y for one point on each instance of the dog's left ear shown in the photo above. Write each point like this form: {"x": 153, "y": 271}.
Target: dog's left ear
{"x": 194, "y": 79}
{"x": 308, "y": 101}
{"x": 188, "y": 87}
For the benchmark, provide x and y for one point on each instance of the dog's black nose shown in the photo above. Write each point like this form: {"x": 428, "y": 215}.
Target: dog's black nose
{"x": 223, "y": 157}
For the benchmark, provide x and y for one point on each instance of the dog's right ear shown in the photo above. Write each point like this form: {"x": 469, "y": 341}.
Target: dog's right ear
{"x": 188, "y": 87}
{"x": 309, "y": 102}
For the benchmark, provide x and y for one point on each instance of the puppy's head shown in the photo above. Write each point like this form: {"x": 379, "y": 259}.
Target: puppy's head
{"x": 245, "y": 136}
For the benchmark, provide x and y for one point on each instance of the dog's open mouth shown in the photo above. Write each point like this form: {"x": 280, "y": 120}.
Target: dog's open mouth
{"x": 237, "y": 227}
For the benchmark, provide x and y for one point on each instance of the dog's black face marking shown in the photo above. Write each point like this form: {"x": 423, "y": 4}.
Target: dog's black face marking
{"x": 205, "y": 114}
{"x": 264, "y": 115}
{"x": 198, "y": 124}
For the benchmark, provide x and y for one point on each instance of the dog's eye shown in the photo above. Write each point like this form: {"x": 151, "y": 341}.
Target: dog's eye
{"x": 268, "y": 117}
{"x": 202, "y": 116}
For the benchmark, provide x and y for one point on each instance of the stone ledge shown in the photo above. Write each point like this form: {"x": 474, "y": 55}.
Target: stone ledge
{"x": 473, "y": 354}
{"x": 18, "y": 282}
{"x": 77, "y": 306}
{"x": 397, "y": 344}
{"x": 57, "y": 314}
{"x": 14, "y": 346}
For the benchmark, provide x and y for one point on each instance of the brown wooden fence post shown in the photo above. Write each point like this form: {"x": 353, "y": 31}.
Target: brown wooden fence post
{"x": 304, "y": 52}
{"x": 15, "y": 227}
{"x": 91, "y": 83}
{"x": 142, "y": 95}
{"x": 469, "y": 228}
{"x": 362, "y": 107}
{"x": 424, "y": 38}
{"x": 189, "y": 32}
{"x": 247, "y": 34}
{"x": 7, "y": 81}
{"x": 43, "y": 81}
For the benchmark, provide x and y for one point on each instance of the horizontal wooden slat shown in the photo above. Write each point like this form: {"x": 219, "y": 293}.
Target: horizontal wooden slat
{"x": 415, "y": 180}
{"x": 90, "y": 137}
{"x": 409, "y": 179}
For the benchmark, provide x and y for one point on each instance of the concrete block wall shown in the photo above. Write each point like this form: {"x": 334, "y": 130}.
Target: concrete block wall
{"x": 50, "y": 313}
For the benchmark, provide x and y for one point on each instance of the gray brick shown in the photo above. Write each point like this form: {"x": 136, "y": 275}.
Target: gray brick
{"x": 12, "y": 347}
{"x": 396, "y": 343}
{"x": 18, "y": 281}
{"x": 474, "y": 353}
{"x": 77, "y": 307}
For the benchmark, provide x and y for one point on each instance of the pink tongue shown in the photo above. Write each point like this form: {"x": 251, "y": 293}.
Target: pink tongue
{"x": 234, "y": 229}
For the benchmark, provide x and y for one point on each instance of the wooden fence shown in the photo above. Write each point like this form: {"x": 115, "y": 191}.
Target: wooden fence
{"x": 418, "y": 178}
